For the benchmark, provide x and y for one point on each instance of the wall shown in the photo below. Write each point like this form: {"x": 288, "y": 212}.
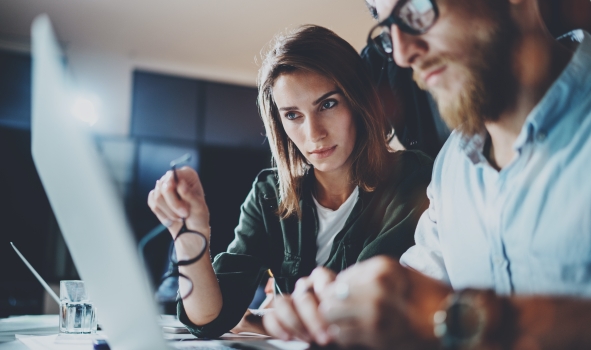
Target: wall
{"x": 109, "y": 77}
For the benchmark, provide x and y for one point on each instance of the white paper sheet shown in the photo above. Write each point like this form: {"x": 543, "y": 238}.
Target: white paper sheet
{"x": 32, "y": 325}
{"x": 55, "y": 342}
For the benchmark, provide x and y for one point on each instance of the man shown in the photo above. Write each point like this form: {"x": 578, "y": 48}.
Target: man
{"x": 509, "y": 213}
{"x": 411, "y": 111}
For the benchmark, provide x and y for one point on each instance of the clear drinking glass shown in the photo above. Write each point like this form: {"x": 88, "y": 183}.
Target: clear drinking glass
{"x": 77, "y": 315}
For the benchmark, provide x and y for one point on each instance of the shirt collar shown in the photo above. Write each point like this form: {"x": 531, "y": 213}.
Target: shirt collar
{"x": 562, "y": 94}
{"x": 473, "y": 146}
{"x": 572, "y": 84}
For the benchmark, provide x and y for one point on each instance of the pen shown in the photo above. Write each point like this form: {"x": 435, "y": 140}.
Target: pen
{"x": 276, "y": 287}
{"x": 39, "y": 278}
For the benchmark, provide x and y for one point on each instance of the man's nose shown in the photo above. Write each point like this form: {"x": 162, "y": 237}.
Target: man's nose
{"x": 406, "y": 47}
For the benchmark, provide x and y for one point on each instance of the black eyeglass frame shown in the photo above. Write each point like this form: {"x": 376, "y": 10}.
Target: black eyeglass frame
{"x": 174, "y": 272}
{"x": 393, "y": 18}
{"x": 178, "y": 263}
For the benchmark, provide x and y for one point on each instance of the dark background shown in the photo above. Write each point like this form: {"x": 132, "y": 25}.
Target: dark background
{"x": 217, "y": 123}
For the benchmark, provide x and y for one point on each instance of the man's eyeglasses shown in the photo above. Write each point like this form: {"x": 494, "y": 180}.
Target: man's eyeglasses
{"x": 411, "y": 16}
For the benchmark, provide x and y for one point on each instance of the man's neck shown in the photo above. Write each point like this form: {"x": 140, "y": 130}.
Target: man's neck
{"x": 539, "y": 60}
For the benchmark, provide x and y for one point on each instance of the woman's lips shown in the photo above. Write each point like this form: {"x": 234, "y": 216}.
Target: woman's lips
{"x": 323, "y": 152}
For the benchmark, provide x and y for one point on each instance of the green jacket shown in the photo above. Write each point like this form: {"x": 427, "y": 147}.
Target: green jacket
{"x": 382, "y": 222}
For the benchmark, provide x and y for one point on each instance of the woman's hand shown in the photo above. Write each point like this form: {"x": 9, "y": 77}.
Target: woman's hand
{"x": 251, "y": 322}
{"x": 296, "y": 316}
{"x": 171, "y": 202}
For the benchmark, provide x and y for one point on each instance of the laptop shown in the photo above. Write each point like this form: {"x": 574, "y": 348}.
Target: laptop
{"x": 90, "y": 212}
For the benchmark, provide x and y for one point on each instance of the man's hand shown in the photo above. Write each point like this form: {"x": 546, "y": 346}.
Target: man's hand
{"x": 381, "y": 305}
{"x": 297, "y": 316}
{"x": 172, "y": 201}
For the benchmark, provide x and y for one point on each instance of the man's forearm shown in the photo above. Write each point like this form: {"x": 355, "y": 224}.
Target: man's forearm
{"x": 551, "y": 323}
{"x": 519, "y": 322}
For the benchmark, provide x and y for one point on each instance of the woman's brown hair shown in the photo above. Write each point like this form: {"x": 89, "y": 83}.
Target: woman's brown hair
{"x": 319, "y": 50}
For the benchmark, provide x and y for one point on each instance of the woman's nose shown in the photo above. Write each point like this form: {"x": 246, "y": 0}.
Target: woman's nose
{"x": 316, "y": 129}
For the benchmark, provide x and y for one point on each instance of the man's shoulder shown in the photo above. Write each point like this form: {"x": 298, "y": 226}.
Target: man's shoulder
{"x": 452, "y": 149}
{"x": 451, "y": 160}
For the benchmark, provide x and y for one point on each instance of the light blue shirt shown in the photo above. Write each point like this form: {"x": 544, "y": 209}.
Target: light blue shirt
{"x": 527, "y": 228}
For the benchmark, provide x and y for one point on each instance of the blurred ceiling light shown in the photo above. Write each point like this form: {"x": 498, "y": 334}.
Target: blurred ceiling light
{"x": 86, "y": 109}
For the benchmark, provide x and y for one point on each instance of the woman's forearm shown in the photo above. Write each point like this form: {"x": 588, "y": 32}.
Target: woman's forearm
{"x": 204, "y": 303}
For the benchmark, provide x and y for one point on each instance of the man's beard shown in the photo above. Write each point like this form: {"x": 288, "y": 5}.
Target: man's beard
{"x": 488, "y": 84}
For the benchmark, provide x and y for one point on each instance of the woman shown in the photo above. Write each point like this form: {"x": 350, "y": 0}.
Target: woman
{"x": 337, "y": 195}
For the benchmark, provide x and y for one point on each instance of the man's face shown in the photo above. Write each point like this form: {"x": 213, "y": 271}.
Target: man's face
{"x": 462, "y": 60}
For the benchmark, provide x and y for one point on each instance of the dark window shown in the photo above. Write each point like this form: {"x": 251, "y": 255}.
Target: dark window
{"x": 231, "y": 117}
{"x": 15, "y": 90}
{"x": 164, "y": 107}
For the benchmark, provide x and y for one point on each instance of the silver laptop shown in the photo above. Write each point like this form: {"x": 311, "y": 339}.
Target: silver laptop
{"x": 87, "y": 207}
{"x": 90, "y": 212}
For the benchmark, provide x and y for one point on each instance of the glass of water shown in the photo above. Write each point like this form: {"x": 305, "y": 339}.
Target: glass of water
{"x": 77, "y": 315}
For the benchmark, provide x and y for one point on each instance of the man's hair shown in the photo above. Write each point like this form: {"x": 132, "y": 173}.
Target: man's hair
{"x": 316, "y": 49}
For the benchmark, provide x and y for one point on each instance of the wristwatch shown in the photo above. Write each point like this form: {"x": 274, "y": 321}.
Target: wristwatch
{"x": 465, "y": 318}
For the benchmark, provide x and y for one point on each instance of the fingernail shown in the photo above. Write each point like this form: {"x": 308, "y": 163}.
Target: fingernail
{"x": 183, "y": 212}
{"x": 167, "y": 223}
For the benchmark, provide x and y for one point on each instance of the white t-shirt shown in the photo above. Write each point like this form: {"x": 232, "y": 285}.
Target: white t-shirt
{"x": 330, "y": 223}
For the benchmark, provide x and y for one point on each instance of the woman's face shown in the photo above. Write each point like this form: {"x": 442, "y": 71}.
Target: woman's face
{"x": 317, "y": 118}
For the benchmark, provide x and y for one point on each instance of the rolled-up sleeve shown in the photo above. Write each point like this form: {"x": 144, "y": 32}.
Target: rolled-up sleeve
{"x": 426, "y": 256}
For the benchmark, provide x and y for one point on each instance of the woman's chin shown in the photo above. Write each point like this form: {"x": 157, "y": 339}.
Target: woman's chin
{"x": 326, "y": 167}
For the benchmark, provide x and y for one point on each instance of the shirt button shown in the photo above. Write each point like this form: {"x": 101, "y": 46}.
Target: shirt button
{"x": 541, "y": 137}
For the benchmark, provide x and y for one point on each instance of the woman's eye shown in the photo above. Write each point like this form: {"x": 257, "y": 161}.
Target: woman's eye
{"x": 328, "y": 104}
{"x": 291, "y": 116}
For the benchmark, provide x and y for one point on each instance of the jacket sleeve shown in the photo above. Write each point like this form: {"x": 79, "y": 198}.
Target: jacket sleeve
{"x": 238, "y": 270}
{"x": 407, "y": 202}
{"x": 426, "y": 255}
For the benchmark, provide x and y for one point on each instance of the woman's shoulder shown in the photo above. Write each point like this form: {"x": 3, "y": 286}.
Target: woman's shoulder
{"x": 266, "y": 183}
{"x": 266, "y": 175}
{"x": 406, "y": 163}
{"x": 405, "y": 171}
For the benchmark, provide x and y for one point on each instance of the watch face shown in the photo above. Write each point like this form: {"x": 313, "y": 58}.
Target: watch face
{"x": 461, "y": 323}
{"x": 464, "y": 321}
